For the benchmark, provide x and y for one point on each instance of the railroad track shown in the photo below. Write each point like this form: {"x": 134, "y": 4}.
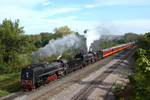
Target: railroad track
{"x": 87, "y": 90}
{"x": 61, "y": 87}
{"x": 68, "y": 83}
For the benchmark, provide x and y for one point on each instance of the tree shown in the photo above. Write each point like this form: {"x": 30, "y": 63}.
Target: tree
{"x": 85, "y": 31}
{"x": 38, "y": 40}
{"x": 130, "y": 37}
{"x": 46, "y": 37}
{"x": 13, "y": 42}
{"x": 62, "y": 31}
{"x": 2, "y": 67}
{"x": 9, "y": 36}
{"x": 144, "y": 41}
{"x": 140, "y": 81}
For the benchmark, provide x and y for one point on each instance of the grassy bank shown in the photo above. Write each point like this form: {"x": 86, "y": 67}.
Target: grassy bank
{"x": 9, "y": 83}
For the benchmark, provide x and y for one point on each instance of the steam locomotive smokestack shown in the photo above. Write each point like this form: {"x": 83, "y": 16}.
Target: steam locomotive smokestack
{"x": 97, "y": 32}
{"x": 56, "y": 46}
{"x": 59, "y": 56}
{"x": 91, "y": 35}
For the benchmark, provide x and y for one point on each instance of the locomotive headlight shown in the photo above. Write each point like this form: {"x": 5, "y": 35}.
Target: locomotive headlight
{"x": 27, "y": 74}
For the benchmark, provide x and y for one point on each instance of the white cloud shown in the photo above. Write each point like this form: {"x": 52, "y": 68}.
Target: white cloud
{"x": 24, "y": 9}
{"x": 137, "y": 26}
{"x": 17, "y": 12}
{"x": 47, "y": 25}
{"x": 99, "y": 3}
{"x": 36, "y": 21}
{"x": 90, "y": 6}
{"x": 21, "y": 3}
{"x": 123, "y": 2}
{"x": 135, "y": 23}
{"x": 102, "y": 3}
{"x": 62, "y": 10}
{"x": 47, "y": 3}
{"x": 67, "y": 18}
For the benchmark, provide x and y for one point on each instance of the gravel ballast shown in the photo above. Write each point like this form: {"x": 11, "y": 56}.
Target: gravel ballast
{"x": 69, "y": 86}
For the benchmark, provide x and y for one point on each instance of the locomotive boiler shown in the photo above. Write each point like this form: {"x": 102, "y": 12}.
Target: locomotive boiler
{"x": 35, "y": 75}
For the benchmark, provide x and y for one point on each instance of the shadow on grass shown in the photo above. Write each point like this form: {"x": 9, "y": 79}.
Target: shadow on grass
{"x": 9, "y": 83}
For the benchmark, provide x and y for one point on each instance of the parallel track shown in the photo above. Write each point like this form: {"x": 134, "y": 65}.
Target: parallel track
{"x": 61, "y": 87}
{"x": 68, "y": 83}
{"x": 86, "y": 91}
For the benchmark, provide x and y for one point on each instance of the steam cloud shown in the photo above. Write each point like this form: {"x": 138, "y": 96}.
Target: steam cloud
{"x": 57, "y": 46}
{"x": 97, "y": 32}
{"x": 97, "y": 44}
{"x": 91, "y": 35}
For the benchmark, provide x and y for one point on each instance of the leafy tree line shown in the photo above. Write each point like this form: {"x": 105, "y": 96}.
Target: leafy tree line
{"x": 144, "y": 43}
{"x": 12, "y": 44}
{"x": 107, "y": 41}
{"x": 140, "y": 82}
{"x": 16, "y": 47}
{"x": 128, "y": 37}
{"x": 44, "y": 37}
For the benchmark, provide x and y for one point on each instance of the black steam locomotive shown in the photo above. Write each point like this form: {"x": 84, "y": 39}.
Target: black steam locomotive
{"x": 35, "y": 75}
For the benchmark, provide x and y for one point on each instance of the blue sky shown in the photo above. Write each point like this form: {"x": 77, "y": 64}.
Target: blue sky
{"x": 116, "y": 16}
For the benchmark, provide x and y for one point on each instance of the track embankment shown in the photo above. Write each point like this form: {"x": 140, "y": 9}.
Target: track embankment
{"x": 94, "y": 81}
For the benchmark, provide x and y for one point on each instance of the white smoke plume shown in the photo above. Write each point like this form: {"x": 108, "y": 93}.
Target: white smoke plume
{"x": 97, "y": 32}
{"x": 91, "y": 35}
{"x": 57, "y": 46}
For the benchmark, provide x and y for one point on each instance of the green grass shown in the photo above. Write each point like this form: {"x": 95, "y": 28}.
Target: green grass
{"x": 9, "y": 83}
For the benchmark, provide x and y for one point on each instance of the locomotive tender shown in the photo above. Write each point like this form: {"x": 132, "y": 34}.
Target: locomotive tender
{"x": 35, "y": 75}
